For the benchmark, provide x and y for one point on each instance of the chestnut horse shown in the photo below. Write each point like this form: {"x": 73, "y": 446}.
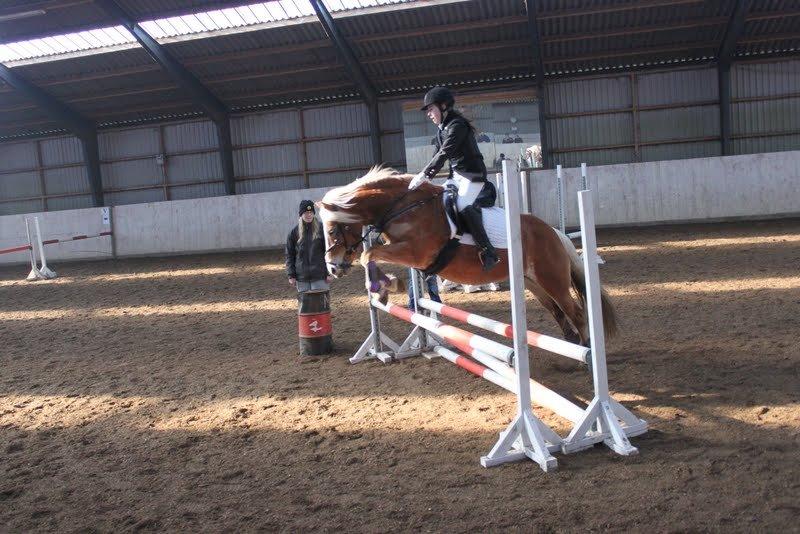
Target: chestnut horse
{"x": 414, "y": 228}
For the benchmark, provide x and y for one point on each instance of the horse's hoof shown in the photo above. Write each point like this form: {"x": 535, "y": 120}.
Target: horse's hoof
{"x": 383, "y": 296}
{"x": 396, "y": 285}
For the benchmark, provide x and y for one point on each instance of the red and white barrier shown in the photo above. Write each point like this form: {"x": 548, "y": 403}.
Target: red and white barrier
{"x": 33, "y": 246}
{"x": 542, "y": 341}
{"x": 473, "y": 345}
{"x": 465, "y": 341}
{"x": 75, "y": 238}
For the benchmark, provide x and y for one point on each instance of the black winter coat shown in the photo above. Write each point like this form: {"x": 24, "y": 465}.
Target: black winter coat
{"x": 455, "y": 141}
{"x": 305, "y": 261}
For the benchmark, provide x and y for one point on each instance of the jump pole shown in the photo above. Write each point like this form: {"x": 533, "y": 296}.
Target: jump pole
{"x": 534, "y": 339}
{"x": 602, "y": 417}
{"x": 526, "y": 436}
{"x": 35, "y": 273}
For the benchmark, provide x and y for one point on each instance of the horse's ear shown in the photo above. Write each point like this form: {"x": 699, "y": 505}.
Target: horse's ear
{"x": 329, "y": 207}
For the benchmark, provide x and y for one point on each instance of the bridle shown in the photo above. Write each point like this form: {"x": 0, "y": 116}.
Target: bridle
{"x": 377, "y": 227}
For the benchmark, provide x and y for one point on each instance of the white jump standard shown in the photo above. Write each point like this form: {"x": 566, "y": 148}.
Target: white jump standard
{"x": 603, "y": 420}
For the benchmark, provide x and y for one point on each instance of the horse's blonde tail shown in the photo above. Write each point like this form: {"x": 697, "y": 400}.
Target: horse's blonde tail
{"x": 610, "y": 326}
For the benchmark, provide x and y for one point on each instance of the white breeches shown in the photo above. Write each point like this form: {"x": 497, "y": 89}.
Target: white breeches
{"x": 468, "y": 190}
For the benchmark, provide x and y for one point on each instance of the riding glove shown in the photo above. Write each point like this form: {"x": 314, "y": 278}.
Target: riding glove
{"x": 418, "y": 181}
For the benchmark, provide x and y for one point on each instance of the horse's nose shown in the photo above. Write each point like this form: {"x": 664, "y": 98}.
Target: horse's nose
{"x": 333, "y": 269}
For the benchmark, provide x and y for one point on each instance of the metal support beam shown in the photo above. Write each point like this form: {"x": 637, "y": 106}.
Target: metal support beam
{"x": 538, "y": 65}
{"x": 733, "y": 31}
{"x": 357, "y": 74}
{"x": 91, "y": 155}
{"x": 725, "y": 53}
{"x": 199, "y": 93}
{"x": 83, "y": 128}
{"x": 724, "y": 84}
{"x": 226, "y": 153}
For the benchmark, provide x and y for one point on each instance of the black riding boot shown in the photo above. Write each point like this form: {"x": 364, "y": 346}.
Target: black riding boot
{"x": 474, "y": 218}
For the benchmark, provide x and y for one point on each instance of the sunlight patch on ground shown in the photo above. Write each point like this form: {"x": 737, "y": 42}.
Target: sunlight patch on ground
{"x": 701, "y": 242}
{"x": 709, "y": 286}
{"x": 145, "y": 311}
{"x": 65, "y": 278}
{"x": 398, "y": 412}
{"x": 171, "y": 309}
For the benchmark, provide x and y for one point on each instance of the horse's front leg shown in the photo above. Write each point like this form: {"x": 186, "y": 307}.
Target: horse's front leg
{"x": 378, "y": 281}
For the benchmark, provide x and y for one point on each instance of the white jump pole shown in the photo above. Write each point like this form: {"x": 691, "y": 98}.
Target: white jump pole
{"x": 562, "y": 216}
{"x": 602, "y": 417}
{"x": 372, "y": 347}
{"x": 35, "y": 274}
{"x": 498, "y": 179}
{"x": 526, "y": 435}
{"x": 584, "y": 182}
{"x": 46, "y": 272}
{"x": 584, "y": 186}
{"x": 526, "y": 191}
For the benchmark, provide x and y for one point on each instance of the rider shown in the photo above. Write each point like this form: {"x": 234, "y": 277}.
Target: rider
{"x": 455, "y": 142}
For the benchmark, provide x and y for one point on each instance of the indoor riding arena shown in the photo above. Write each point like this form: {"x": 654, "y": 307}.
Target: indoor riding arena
{"x": 159, "y": 371}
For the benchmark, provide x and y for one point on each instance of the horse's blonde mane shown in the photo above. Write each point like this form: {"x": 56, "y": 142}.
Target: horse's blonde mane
{"x": 378, "y": 176}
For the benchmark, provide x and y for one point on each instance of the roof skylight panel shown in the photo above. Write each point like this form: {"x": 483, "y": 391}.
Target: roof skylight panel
{"x": 179, "y": 25}
{"x": 276, "y": 11}
{"x": 333, "y": 5}
{"x": 207, "y": 21}
{"x": 186, "y": 25}
{"x": 220, "y": 19}
{"x": 194, "y": 23}
{"x": 247, "y": 15}
{"x": 233, "y": 16}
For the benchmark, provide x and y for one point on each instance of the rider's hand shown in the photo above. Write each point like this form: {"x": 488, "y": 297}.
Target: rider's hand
{"x": 292, "y": 282}
{"x": 418, "y": 181}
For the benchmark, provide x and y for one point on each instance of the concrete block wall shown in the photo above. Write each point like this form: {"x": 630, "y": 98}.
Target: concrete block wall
{"x": 687, "y": 190}
{"x": 57, "y": 225}
{"x": 260, "y": 220}
{"x": 747, "y": 186}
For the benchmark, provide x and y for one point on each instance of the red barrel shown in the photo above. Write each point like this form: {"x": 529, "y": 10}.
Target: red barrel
{"x": 314, "y": 323}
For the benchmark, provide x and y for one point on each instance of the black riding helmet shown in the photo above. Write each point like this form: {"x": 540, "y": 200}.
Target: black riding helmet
{"x": 438, "y": 95}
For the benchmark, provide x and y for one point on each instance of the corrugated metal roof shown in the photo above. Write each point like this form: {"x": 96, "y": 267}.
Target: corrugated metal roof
{"x": 186, "y": 26}
{"x": 403, "y": 50}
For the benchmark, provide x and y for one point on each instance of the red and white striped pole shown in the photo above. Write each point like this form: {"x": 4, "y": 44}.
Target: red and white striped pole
{"x": 463, "y": 340}
{"x": 542, "y": 341}
{"x": 475, "y": 368}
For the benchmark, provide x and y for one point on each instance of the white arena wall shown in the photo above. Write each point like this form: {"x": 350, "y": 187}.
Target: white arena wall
{"x": 689, "y": 190}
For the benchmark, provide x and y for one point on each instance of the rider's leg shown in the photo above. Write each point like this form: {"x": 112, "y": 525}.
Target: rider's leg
{"x": 468, "y": 192}
{"x": 474, "y": 219}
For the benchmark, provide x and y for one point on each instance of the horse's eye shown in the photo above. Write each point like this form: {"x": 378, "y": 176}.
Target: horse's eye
{"x": 330, "y": 231}
{"x": 347, "y": 228}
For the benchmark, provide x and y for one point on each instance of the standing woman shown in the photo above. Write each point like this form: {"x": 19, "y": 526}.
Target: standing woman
{"x": 455, "y": 143}
{"x": 305, "y": 252}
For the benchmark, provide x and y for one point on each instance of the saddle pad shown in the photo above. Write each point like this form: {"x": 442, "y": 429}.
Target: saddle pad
{"x": 494, "y": 220}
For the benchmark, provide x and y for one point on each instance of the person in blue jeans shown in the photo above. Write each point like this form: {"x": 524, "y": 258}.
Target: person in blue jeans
{"x": 433, "y": 289}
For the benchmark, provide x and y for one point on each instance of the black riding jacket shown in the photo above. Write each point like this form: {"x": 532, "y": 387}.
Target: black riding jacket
{"x": 455, "y": 141}
{"x": 306, "y": 261}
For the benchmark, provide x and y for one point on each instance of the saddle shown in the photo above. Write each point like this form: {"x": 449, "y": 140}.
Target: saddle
{"x": 486, "y": 199}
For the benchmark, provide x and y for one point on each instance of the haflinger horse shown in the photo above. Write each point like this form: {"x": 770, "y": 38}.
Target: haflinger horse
{"x": 414, "y": 229}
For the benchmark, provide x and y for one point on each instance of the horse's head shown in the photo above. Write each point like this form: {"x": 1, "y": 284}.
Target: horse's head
{"x": 346, "y": 210}
{"x": 343, "y": 241}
